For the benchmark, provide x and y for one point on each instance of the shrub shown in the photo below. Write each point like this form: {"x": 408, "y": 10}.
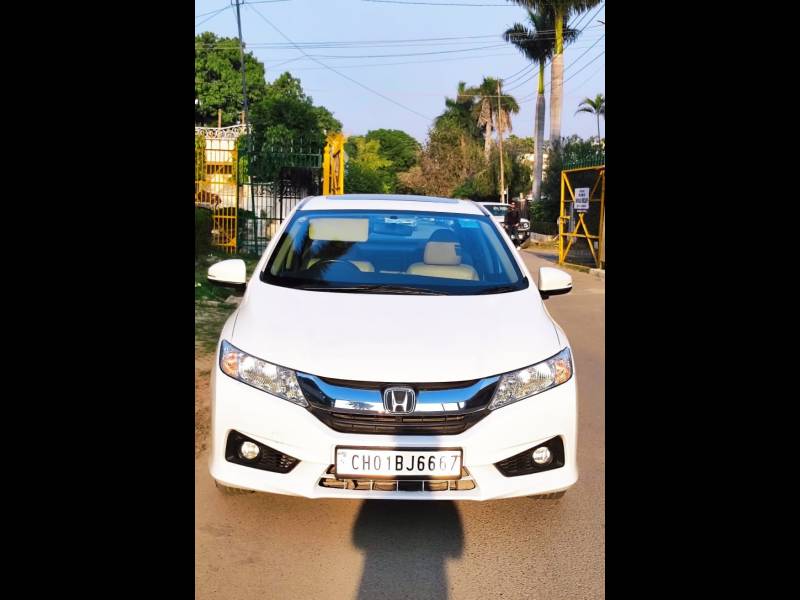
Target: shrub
{"x": 202, "y": 231}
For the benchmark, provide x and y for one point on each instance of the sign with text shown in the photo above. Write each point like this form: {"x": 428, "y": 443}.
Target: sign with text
{"x": 582, "y": 199}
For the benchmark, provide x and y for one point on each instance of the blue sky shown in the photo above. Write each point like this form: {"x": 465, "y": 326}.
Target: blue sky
{"x": 475, "y": 50}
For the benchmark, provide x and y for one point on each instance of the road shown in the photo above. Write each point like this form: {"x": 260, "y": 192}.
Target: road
{"x": 263, "y": 546}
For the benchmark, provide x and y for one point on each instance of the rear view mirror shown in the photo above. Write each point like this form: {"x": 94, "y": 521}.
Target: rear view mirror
{"x": 228, "y": 273}
{"x": 553, "y": 282}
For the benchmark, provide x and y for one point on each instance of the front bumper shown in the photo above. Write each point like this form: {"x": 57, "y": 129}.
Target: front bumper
{"x": 293, "y": 430}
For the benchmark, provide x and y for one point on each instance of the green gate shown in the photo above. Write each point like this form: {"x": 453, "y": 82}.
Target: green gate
{"x": 274, "y": 179}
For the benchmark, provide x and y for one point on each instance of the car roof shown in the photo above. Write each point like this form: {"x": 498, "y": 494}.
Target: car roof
{"x": 391, "y": 202}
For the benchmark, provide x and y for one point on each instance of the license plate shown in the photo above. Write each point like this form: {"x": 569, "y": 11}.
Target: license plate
{"x": 370, "y": 463}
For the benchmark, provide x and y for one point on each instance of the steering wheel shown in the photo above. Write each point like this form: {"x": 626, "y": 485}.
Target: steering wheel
{"x": 331, "y": 261}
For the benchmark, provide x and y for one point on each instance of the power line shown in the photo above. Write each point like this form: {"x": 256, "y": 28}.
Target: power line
{"x": 409, "y": 53}
{"x": 518, "y": 83}
{"x": 213, "y": 14}
{"x": 433, "y": 3}
{"x": 389, "y": 64}
{"x": 445, "y": 41}
{"x": 584, "y": 54}
{"x": 530, "y": 97}
{"x": 583, "y": 67}
{"x": 585, "y": 81}
{"x": 284, "y": 36}
{"x": 209, "y": 12}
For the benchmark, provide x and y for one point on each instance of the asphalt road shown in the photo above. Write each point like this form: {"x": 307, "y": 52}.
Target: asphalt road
{"x": 262, "y": 546}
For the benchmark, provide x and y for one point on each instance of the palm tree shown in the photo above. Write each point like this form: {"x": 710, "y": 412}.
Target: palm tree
{"x": 459, "y": 110}
{"x": 595, "y": 107}
{"x": 562, "y": 11}
{"x": 536, "y": 42}
{"x": 492, "y": 109}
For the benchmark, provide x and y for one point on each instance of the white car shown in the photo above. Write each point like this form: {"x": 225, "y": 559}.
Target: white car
{"x": 499, "y": 210}
{"x": 393, "y": 347}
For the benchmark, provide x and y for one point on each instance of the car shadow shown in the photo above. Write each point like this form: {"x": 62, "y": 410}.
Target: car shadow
{"x": 406, "y": 545}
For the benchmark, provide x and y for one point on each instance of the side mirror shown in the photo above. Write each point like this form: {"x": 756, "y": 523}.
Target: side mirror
{"x": 553, "y": 282}
{"x": 228, "y": 273}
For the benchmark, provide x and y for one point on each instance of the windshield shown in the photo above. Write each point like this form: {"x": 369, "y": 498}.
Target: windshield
{"x": 393, "y": 252}
{"x": 498, "y": 210}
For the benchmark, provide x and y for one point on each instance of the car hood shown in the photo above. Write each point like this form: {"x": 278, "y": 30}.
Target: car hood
{"x": 394, "y": 338}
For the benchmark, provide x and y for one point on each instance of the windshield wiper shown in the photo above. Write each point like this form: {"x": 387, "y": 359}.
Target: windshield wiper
{"x": 376, "y": 289}
{"x": 499, "y": 289}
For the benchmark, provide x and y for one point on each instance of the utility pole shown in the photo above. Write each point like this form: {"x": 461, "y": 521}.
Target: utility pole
{"x": 500, "y": 134}
{"x": 241, "y": 56}
{"x": 244, "y": 99}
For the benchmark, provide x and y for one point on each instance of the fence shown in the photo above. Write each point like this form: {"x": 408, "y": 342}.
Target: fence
{"x": 581, "y": 236}
{"x": 544, "y": 227}
{"x": 279, "y": 173}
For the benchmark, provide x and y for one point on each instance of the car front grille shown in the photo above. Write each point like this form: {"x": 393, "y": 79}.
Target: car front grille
{"x": 358, "y": 407}
{"x": 414, "y": 424}
{"x": 466, "y": 482}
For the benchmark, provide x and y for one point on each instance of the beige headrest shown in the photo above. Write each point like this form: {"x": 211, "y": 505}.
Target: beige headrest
{"x": 441, "y": 253}
{"x": 338, "y": 230}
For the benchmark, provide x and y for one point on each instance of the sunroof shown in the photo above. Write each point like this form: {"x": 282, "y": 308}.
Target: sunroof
{"x": 394, "y": 198}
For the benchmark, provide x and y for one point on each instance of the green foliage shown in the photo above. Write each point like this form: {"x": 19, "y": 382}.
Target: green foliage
{"x": 459, "y": 113}
{"x": 396, "y": 146}
{"x": 202, "y": 231}
{"x": 286, "y": 106}
{"x": 484, "y": 186}
{"x": 218, "y": 79}
{"x": 373, "y": 167}
{"x": 562, "y": 156}
{"x": 362, "y": 180}
{"x": 449, "y": 159}
{"x": 199, "y": 157}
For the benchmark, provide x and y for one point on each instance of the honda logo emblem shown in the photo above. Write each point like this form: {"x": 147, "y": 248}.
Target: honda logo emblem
{"x": 399, "y": 400}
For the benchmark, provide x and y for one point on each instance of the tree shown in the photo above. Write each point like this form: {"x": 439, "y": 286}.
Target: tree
{"x": 398, "y": 151}
{"x": 562, "y": 10}
{"x": 218, "y": 79}
{"x": 484, "y": 96}
{"x": 572, "y": 150}
{"x": 287, "y": 116}
{"x": 536, "y": 42}
{"x": 460, "y": 112}
{"x": 365, "y": 171}
{"x": 595, "y": 107}
{"x": 449, "y": 158}
{"x": 396, "y": 146}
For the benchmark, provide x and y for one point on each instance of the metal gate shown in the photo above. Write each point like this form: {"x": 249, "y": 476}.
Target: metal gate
{"x": 277, "y": 178}
{"x": 589, "y": 224}
{"x": 215, "y": 186}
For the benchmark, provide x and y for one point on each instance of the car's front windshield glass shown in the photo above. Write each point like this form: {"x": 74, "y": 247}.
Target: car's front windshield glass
{"x": 393, "y": 252}
{"x": 497, "y": 211}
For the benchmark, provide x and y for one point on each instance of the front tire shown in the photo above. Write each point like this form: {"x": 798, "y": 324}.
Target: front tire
{"x": 232, "y": 491}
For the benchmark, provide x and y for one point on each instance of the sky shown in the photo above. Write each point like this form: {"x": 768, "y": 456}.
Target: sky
{"x": 353, "y": 37}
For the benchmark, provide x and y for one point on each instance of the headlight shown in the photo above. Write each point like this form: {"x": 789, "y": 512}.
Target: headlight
{"x": 524, "y": 224}
{"x": 275, "y": 380}
{"x": 533, "y": 380}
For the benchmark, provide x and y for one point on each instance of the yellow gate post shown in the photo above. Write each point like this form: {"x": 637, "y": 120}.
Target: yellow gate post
{"x": 599, "y": 184}
{"x": 333, "y": 165}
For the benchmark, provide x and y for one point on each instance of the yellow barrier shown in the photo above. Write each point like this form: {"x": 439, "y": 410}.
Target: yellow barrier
{"x": 597, "y": 195}
{"x": 333, "y": 165}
